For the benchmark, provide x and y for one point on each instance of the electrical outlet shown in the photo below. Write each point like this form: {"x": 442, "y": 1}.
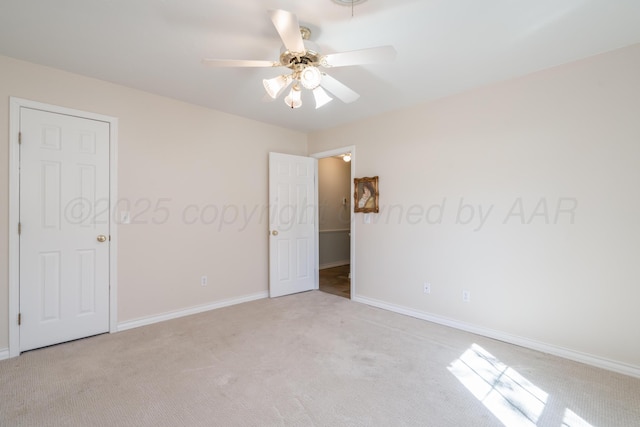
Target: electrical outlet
{"x": 466, "y": 296}
{"x": 427, "y": 287}
{"x": 203, "y": 280}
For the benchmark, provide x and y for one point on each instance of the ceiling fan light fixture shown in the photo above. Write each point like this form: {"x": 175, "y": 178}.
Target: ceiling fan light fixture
{"x": 276, "y": 85}
{"x": 303, "y": 58}
{"x": 321, "y": 97}
{"x": 310, "y": 77}
{"x": 294, "y": 100}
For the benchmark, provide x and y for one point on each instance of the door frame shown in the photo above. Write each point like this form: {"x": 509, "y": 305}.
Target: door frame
{"x": 352, "y": 234}
{"x": 15, "y": 104}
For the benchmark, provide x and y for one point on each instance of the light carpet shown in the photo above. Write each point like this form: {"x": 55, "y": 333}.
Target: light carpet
{"x": 311, "y": 359}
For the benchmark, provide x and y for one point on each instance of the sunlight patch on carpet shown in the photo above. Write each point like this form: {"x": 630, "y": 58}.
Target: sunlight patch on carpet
{"x": 512, "y": 398}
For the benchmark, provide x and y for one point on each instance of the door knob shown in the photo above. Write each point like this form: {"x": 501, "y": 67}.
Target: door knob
{"x": 274, "y": 232}
{"x": 102, "y": 238}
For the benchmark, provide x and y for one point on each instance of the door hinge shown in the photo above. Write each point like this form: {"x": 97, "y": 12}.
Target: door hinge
{"x": 19, "y": 137}
{"x": 19, "y": 319}
{"x": 19, "y": 228}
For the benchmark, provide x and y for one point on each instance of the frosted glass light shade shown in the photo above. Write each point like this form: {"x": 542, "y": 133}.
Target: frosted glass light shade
{"x": 293, "y": 100}
{"x": 276, "y": 85}
{"x": 347, "y": 157}
{"x": 321, "y": 97}
{"x": 310, "y": 77}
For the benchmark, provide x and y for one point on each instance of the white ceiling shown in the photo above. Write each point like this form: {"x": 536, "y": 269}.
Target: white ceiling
{"x": 444, "y": 46}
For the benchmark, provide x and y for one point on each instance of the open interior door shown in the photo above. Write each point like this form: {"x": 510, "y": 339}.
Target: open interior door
{"x": 292, "y": 224}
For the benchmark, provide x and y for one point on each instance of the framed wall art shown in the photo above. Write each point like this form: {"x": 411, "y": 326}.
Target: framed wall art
{"x": 366, "y": 195}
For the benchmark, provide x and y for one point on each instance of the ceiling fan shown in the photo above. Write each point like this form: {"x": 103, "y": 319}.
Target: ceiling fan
{"x": 304, "y": 60}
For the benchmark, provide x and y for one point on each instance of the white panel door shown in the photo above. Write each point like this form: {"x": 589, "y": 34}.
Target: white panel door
{"x": 64, "y": 212}
{"x": 292, "y": 241}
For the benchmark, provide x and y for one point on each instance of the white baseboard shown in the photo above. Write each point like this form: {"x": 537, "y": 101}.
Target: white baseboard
{"x": 144, "y": 321}
{"x": 334, "y": 264}
{"x": 589, "y": 359}
{"x": 4, "y": 353}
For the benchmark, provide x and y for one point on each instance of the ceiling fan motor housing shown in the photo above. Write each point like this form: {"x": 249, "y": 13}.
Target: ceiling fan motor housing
{"x": 298, "y": 60}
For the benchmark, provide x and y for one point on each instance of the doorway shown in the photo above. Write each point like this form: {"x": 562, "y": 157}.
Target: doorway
{"x": 62, "y": 255}
{"x": 334, "y": 221}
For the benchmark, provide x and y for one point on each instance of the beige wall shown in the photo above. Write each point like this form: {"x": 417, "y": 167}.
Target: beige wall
{"x": 187, "y": 158}
{"x": 525, "y": 193}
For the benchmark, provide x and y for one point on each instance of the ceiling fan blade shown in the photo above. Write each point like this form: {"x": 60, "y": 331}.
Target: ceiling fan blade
{"x": 286, "y": 24}
{"x": 239, "y": 63}
{"x": 341, "y": 91}
{"x": 358, "y": 57}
